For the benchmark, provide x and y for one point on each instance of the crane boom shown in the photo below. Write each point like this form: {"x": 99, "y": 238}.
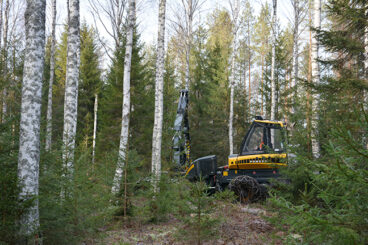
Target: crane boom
{"x": 181, "y": 139}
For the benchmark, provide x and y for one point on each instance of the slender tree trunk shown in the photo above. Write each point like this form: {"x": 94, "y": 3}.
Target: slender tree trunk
{"x": 71, "y": 88}
{"x": 159, "y": 102}
{"x": 1, "y": 20}
{"x": 1, "y": 28}
{"x": 295, "y": 53}
{"x": 308, "y": 102}
{"x": 315, "y": 78}
{"x": 126, "y": 101}
{"x": 366, "y": 62}
{"x": 232, "y": 76}
{"x": 51, "y": 81}
{"x": 95, "y": 109}
{"x": 262, "y": 102}
{"x": 29, "y": 137}
{"x": 365, "y": 92}
{"x": 273, "y": 82}
{"x": 250, "y": 95}
{"x": 189, "y": 43}
{"x": 231, "y": 115}
{"x": 4, "y": 57}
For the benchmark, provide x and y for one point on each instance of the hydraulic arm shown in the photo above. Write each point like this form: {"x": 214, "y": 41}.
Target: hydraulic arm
{"x": 181, "y": 139}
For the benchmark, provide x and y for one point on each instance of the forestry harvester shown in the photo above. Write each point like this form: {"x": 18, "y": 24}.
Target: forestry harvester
{"x": 261, "y": 154}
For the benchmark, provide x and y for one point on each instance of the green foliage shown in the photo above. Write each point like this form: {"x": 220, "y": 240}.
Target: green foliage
{"x": 10, "y": 208}
{"x": 133, "y": 183}
{"x": 326, "y": 201}
{"x": 89, "y": 85}
{"x": 199, "y": 223}
{"x": 80, "y": 214}
{"x": 165, "y": 203}
{"x": 282, "y": 62}
{"x": 226, "y": 196}
{"x": 142, "y": 100}
{"x": 331, "y": 205}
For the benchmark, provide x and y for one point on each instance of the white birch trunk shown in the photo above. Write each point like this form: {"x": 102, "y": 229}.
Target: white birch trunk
{"x": 273, "y": 82}
{"x": 365, "y": 93}
{"x": 1, "y": 28}
{"x": 159, "y": 98}
{"x": 51, "y": 81}
{"x": 295, "y": 51}
{"x": 71, "y": 88}
{"x": 189, "y": 43}
{"x": 126, "y": 101}
{"x": 4, "y": 56}
{"x": 95, "y": 109}
{"x": 366, "y": 63}
{"x": 29, "y": 137}
{"x": 1, "y": 20}
{"x": 315, "y": 78}
{"x": 235, "y": 13}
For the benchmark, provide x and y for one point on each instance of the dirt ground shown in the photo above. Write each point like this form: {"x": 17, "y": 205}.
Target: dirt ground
{"x": 242, "y": 224}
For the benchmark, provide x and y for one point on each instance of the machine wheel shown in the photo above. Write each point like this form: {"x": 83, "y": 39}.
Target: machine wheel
{"x": 246, "y": 188}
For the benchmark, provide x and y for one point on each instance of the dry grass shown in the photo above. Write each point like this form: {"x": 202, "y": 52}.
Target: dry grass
{"x": 242, "y": 224}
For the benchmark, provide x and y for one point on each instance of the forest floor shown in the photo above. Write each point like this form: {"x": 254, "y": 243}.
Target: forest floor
{"x": 241, "y": 224}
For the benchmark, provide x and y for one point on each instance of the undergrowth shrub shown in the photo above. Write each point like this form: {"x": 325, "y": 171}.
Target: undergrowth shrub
{"x": 332, "y": 206}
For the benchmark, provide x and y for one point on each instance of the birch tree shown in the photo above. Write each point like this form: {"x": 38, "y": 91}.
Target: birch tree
{"x": 95, "y": 109}
{"x": 123, "y": 146}
{"x": 189, "y": 14}
{"x": 71, "y": 87}
{"x": 113, "y": 11}
{"x": 261, "y": 36}
{"x": 299, "y": 15}
{"x": 159, "y": 100}
{"x": 297, "y": 10}
{"x": 183, "y": 26}
{"x": 316, "y": 23}
{"x": 366, "y": 61}
{"x": 4, "y": 55}
{"x": 51, "y": 81}
{"x": 273, "y": 82}
{"x": 29, "y": 138}
{"x": 235, "y": 14}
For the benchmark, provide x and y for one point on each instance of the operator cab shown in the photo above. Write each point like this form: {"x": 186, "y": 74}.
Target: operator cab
{"x": 263, "y": 137}
{"x": 263, "y": 147}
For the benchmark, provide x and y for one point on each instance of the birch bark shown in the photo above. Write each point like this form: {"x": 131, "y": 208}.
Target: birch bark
{"x": 365, "y": 93}
{"x": 315, "y": 78}
{"x": 126, "y": 101}
{"x": 189, "y": 43}
{"x": 1, "y": 28}
{"x": 95, "y": 109}
{"x": 4, "y": 56}
{"x": 235, "y": 13}
{"x": 295, "y": 51}
{"x": 71, "y": 88}
{"x": 29, "y": 137}
{"x": 366, "y": 62}
{"x": 159, "y": 102}
{"x": 51, "y": 81}
{"x": 273, "y": 82}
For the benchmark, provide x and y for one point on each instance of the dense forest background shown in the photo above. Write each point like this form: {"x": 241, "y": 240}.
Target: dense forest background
{"x": 327, "y": 199}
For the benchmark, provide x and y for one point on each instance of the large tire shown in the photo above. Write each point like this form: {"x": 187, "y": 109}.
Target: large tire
{"x": 246, "y": 188}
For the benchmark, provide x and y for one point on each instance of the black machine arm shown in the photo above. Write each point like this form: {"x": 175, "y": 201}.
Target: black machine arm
{"x": 181, "y": 139}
